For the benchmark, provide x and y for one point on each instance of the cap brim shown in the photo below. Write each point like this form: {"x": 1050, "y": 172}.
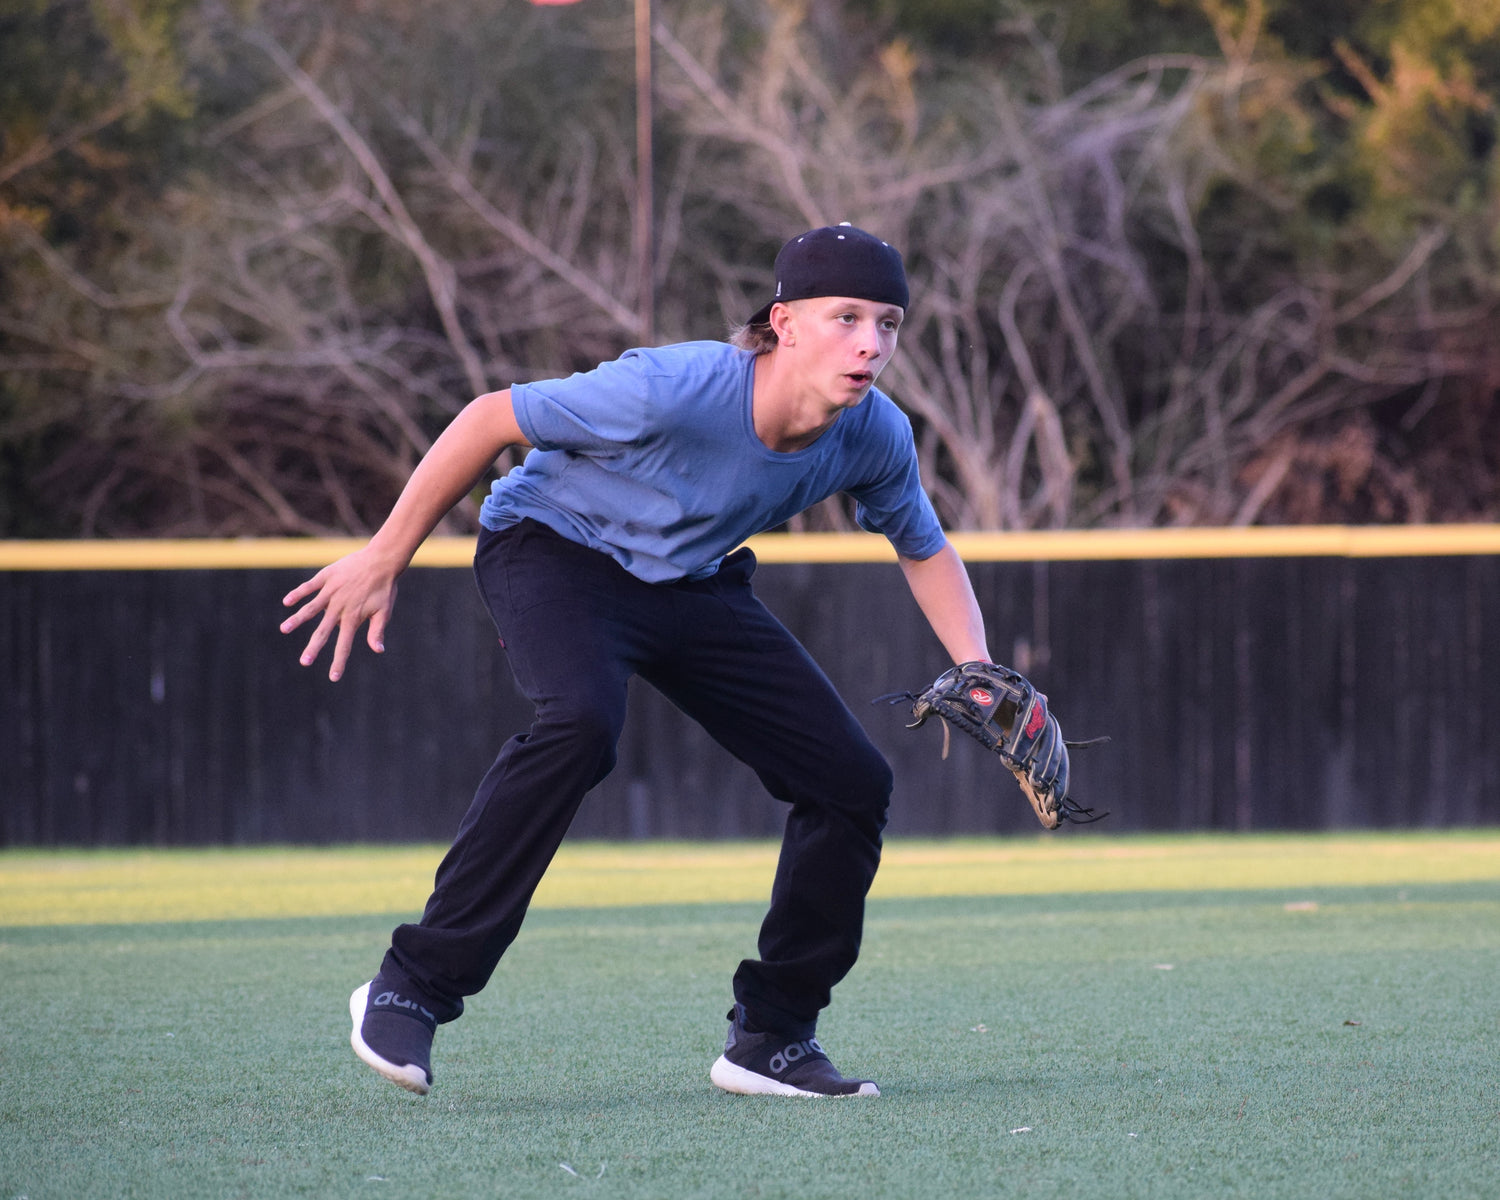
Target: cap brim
{"x": 762, "y": 316}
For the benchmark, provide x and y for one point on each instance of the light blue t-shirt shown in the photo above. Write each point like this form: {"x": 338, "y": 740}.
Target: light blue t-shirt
{"x": 653, "y": 459}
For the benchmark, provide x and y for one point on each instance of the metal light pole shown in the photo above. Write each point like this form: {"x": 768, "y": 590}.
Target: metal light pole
{"x": 645, "y": 247}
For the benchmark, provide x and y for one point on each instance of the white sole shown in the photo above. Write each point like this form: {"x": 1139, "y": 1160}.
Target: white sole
{"x": 411, "y": 1076}
{"x": 733, "y": 1078}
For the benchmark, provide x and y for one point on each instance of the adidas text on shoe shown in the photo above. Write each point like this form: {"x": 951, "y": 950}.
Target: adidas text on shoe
{"x": 770, "y": 1064}
{"x": 407, "y": 1064}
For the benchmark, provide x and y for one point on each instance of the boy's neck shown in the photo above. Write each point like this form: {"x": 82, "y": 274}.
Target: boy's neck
{"x": 786, "y": 413}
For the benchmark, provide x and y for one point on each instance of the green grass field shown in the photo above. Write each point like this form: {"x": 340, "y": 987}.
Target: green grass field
{"x": 1078, "y": 1016}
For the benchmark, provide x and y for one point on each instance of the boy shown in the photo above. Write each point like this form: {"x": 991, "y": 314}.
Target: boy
{"x": 610, "y": 553}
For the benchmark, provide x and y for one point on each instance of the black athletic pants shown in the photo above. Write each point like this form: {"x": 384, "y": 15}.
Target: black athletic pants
{"x": 576, "y": 627}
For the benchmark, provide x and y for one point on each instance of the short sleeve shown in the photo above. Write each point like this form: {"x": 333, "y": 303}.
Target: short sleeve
{"x": 590, "y": 411}
{"x": 894, "y": 502}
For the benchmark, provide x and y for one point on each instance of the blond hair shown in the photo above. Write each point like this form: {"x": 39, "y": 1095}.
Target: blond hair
{"x": 757, "y": 339}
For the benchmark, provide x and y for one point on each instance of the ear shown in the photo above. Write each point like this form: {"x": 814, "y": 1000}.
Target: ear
{"x": 783, "y": 323}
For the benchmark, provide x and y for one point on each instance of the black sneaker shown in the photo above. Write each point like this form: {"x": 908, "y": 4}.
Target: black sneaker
{"x": 393, "y": 1034}
{"x": 771, "y": 1064}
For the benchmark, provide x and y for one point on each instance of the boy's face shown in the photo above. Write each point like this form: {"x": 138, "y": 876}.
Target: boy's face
{"x": 840, "y": 344}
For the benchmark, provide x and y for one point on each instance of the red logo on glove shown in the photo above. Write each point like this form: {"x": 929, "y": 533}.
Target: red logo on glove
{"x": 1038, "y": 718}
{"x": 980, "y": 696}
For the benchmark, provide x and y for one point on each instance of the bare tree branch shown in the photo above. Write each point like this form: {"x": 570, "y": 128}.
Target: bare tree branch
{"x": 437, "y": 270}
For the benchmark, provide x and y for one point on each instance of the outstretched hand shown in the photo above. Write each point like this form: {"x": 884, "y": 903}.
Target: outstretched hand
{"x": 357, "y": 588}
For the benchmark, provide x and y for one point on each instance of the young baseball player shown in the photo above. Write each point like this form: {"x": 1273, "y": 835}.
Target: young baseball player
{"x": 611, "y": 552}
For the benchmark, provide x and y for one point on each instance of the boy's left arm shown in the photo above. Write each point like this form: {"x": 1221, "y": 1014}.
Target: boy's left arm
{"x": 1031, "y": 744}
{"x": 945, "y": 595}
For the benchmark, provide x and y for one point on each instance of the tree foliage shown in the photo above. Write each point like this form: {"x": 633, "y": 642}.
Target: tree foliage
{"x": 1174, "y": 261}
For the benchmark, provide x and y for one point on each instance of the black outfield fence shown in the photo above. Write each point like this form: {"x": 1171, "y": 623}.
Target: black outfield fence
{"x": 1261, "y": 679}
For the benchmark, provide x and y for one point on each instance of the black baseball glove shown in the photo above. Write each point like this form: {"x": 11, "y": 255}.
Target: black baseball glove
{"x": 1003, "y": 712}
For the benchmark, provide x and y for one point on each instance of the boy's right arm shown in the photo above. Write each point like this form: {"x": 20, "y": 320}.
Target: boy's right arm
{"x": 361, "y": 586}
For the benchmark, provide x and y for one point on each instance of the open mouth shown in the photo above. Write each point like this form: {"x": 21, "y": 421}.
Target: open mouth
{"x": 859, "y": 378}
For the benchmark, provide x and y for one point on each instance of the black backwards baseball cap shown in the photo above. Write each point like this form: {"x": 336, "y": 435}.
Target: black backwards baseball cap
{"x": 838, "y": 260}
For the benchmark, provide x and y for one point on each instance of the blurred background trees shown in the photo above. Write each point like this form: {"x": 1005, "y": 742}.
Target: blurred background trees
{"x": 1174, "y": 261}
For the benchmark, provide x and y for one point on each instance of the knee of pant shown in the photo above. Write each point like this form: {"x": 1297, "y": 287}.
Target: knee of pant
{"x": 589, "y": 723}
{"x": 865, "y": 782}
{"x": 589, "y": 753}
{"x": 881, "y": 780}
